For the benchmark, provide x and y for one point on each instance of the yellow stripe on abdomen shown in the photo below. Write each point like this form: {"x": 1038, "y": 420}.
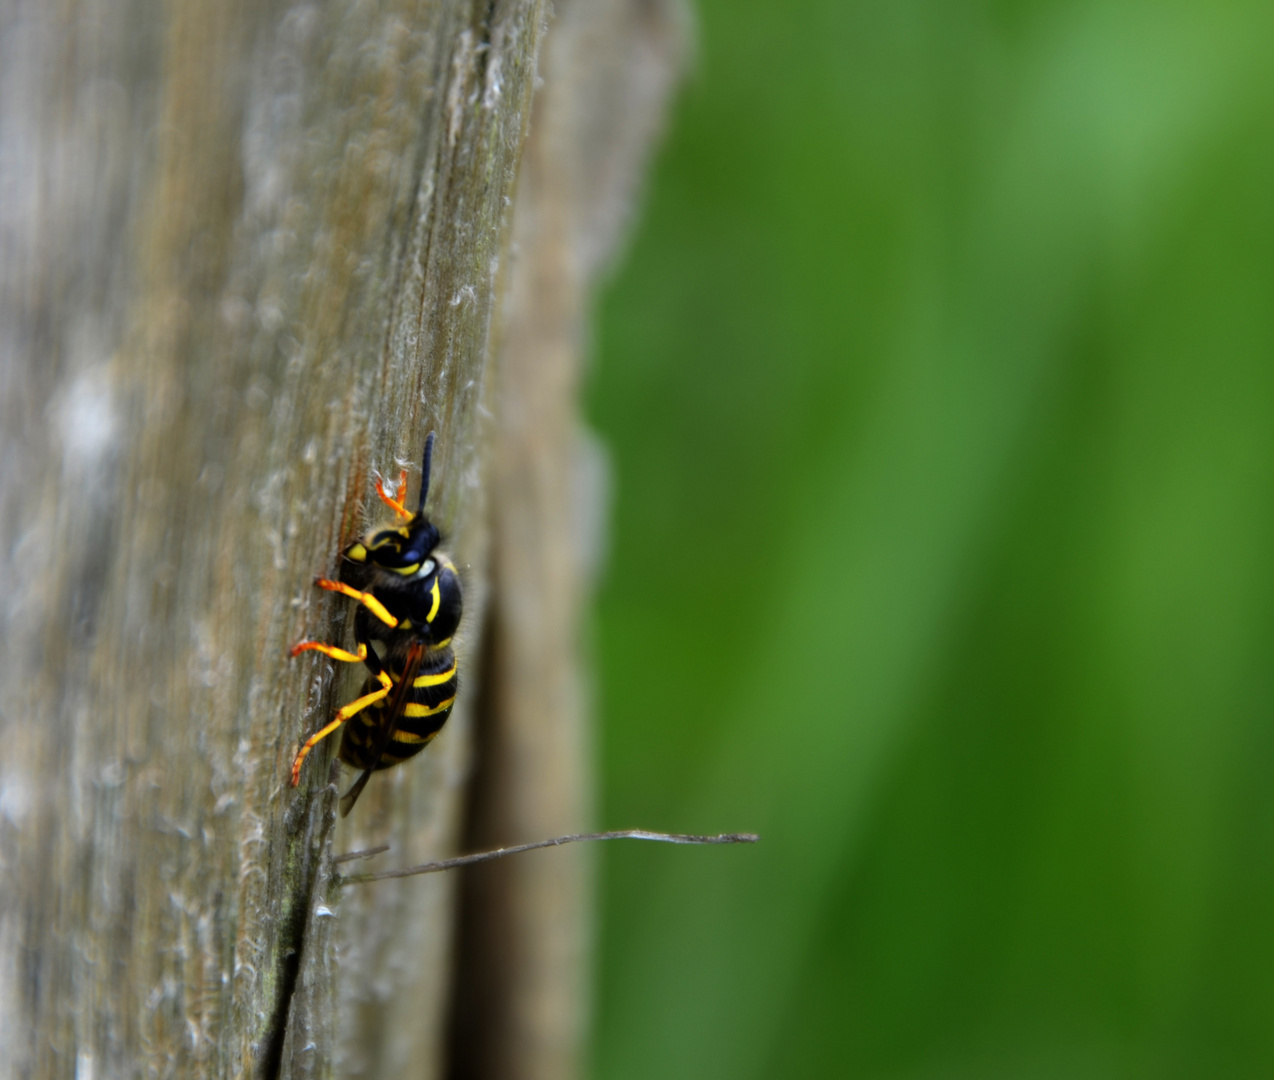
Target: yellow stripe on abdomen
{"x": 407, "y": 737}
{"x": 436, "y": 680}
{"x": 413, "y": 710}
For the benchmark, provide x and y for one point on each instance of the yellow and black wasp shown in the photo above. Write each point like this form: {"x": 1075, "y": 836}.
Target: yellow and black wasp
{"x": 409, "y": 600}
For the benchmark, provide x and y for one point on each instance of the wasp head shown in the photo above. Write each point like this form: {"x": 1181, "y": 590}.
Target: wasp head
{"x": 406, "y": 549}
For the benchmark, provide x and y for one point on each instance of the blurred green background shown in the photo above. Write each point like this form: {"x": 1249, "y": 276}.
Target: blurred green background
{"x": 939, "y": 382}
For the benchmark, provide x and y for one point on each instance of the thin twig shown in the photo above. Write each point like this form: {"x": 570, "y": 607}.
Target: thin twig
{"x": 557, "y": 841}
{"x": 366, "y": 853}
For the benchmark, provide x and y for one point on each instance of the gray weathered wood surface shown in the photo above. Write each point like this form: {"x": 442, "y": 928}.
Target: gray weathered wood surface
{"x": 249, "y": 254}
{"x": 607, "y": 68}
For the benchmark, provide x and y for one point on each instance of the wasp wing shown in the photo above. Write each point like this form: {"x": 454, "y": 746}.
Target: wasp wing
{"x": 389, "y": 723}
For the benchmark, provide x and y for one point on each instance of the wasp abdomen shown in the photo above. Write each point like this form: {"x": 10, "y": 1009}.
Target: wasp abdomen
{"x": 428, "y": 704}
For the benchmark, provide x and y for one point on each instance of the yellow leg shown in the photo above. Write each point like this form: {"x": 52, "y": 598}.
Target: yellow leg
{"x": 329, "y": 650}
{"x": 397, "y": 503}
{"x": 365, "y": 598}
{"x": 355, "y": 706}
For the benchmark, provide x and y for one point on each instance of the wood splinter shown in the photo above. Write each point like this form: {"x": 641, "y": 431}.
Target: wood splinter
{"x": 557, "y": 841}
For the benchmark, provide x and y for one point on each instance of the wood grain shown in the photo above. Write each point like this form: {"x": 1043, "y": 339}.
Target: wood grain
{"x": 250, "y": 255}
{"x": 522, "y": 1002}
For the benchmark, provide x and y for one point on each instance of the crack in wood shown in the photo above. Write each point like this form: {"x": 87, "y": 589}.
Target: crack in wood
{"x": 304, "y": 870}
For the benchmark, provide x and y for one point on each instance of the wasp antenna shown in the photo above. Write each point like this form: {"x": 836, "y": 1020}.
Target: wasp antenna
{"x": 424, "y": 473}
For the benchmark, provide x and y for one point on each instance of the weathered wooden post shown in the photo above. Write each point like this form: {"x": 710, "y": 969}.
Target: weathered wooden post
{"x": 249, "y": 254}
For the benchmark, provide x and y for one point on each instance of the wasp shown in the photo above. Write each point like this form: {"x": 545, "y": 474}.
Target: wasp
{"x": 409, "y": 601}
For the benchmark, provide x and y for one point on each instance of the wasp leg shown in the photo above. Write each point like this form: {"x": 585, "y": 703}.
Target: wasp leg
{"x": 365, "y": 598}
{"x": 354, "y": 707}
{"x": 365, "y": 655}
{"x": 396, "y": 504}
{"x": 330, "y": 650}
